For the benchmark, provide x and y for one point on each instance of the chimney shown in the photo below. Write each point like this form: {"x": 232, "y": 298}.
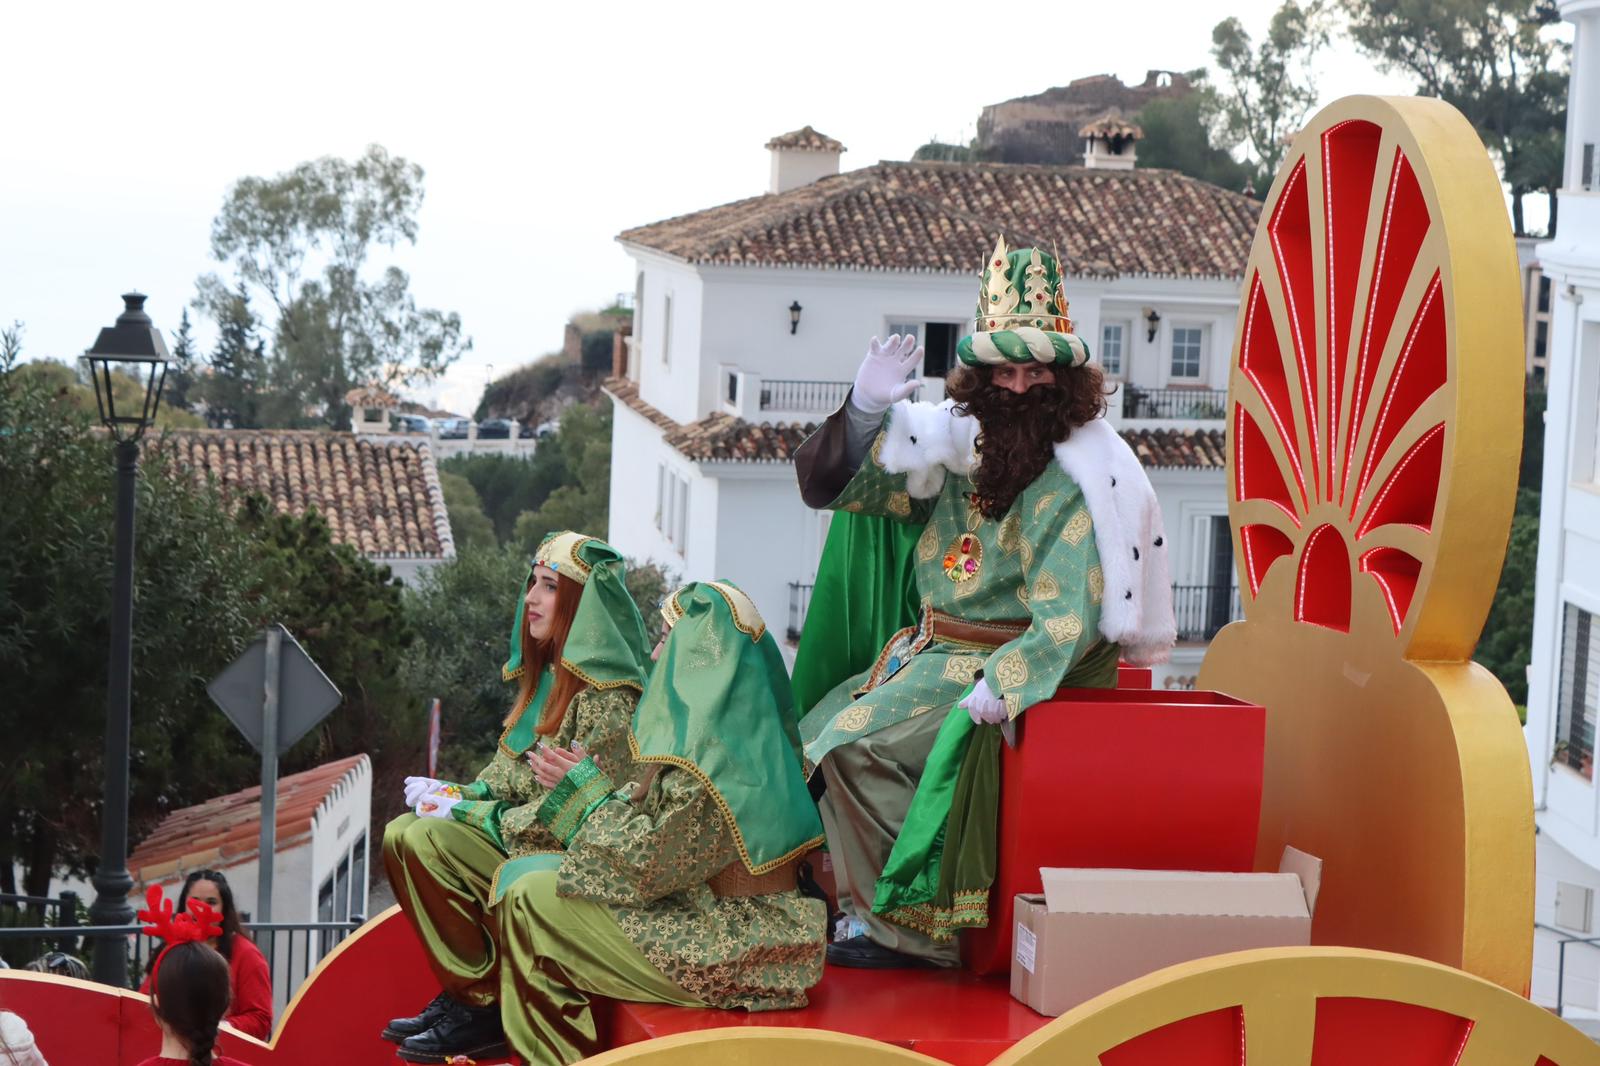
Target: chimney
{"x": 1108, "y": 142}
{"x": 800, "y": 157}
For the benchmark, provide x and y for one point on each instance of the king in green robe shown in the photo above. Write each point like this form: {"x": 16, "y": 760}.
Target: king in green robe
{"x": 679, "y": 886}
{"x": 1011, "y": 590}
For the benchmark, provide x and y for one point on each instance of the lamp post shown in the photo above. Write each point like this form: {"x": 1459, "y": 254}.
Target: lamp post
{"x": 794, "y": 316}
{"x": 133, "y": 348}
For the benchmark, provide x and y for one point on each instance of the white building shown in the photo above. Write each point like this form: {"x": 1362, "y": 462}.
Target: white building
{"x": 750, "y": 319}
{"x": 1564, "y": 675}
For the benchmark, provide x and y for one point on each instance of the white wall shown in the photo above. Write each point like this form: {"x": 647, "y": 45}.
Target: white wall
{"x": 766, "y": 537}
{"x": 670, "y": 384}
{"x": 638, "y": 452}
{"x": 742, "y": 320}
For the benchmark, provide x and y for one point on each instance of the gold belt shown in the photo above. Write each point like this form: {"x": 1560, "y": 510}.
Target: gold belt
{"x": 735, "y": 880}
{"x": 987, "y": 634}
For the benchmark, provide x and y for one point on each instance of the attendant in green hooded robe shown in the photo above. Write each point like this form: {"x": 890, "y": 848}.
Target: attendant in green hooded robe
{"x": 578, "y": 652}
{"x": 678, "y": 887}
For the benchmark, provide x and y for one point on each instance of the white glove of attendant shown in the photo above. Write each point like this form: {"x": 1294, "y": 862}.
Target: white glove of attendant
{"x": 881, "y": 380}
{"x": 436, "y": 805}
{"x": 984, "y": 707}
{"x": 417, "y": 787}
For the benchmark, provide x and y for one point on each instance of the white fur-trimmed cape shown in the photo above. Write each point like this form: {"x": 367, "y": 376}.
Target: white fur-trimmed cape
{"x": 924, "y": 441}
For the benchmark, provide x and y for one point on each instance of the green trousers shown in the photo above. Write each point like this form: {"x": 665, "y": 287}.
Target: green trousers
{"x": 557, "y": 953}
{"x": 870, "y": 785}
{"x": 442, "y": 872}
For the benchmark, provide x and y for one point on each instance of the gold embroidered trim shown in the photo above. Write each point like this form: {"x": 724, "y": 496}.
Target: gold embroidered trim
{"x": 727, "y": 812}
{"x": 494, "y": 882}
{"x": 968, "y": 910}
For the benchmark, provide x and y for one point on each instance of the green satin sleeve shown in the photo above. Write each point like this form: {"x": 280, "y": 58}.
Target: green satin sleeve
{"x": 570, "y": 803}
{"x": 484, "y": 816}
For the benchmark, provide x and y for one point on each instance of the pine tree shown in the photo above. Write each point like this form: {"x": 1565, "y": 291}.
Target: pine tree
{"x": 182, "y": 374}
{"x": 233, "y": 390}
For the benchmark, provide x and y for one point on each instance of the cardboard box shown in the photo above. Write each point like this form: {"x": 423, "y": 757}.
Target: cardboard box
{"x": 1093, "y": 930}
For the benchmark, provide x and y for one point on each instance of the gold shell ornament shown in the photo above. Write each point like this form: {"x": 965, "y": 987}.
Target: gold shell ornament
{"x": 1374, "y": 433}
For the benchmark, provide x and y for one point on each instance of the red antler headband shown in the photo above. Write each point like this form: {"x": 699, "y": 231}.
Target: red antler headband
{"x": 200, "y": 923}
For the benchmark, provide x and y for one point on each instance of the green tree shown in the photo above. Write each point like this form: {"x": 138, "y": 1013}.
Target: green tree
{"x": 937, "y": 151}
{"x": 1176, "y": 137}
{"x": 185, "y": 368}
{"x": 1496, "y": 61}
{"x": 583, "y": 501}
{"x": 507, "y": 486}
{"x": 349, "y": 615}
{"x": 235, "y": 389}
{"x": 1266, "y": 90}
{"x": 351, "y": 323}
{"x": 469, "y": 526}
{"x": 192, "y": 564}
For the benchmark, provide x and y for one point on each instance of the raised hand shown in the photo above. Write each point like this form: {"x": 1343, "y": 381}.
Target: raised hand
{"x": 881, "y": 378}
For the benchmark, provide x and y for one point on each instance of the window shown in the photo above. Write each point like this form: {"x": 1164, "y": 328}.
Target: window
{"x": 938, "y": 344}
{"x": 1579, "y": 693}
{"x": 666, "y": 329}
{"x": 358, "y": 876}
{"x": 1187, "y": 342}
{"x": 1113, "y": 342}
{"x": 341, "y": 891}
{"x": 325, "y": 901}
{"x": 672, "y": 506}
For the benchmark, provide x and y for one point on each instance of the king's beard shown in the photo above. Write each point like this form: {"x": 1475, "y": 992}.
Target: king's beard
{"x": 1017, "y": 435}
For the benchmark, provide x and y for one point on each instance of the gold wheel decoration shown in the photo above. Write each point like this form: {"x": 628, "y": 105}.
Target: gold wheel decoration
{"x": 1374, "y": 432}
{"x": 1306, "y": 1007}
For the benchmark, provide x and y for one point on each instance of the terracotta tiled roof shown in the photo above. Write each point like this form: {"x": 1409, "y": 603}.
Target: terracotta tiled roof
{"x": 723, "y": 438}
{"x": 1193, "y": 449}
{"x": 1111, "y": 124}
{"x": 226, "y": 831}
{"x": 718, "y": 437}
{"x": 381, "y": 497}
{"x": 371, "y": 396}
{"x": 944, "y": 217}
{"x": 807, "y": 139}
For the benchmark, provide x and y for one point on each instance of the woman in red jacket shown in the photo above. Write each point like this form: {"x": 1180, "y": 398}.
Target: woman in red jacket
{"x": 250, "y": 1010}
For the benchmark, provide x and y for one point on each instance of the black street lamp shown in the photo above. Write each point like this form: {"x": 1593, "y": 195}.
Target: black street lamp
{"x": 794, "y": 316}
{"x": 131, "y": 354}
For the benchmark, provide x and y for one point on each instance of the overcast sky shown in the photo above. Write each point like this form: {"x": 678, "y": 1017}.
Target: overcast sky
{"x": 544, "y": 130}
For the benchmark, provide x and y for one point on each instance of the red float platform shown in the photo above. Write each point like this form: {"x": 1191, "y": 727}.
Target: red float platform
{"x": 951, "y": 1015}
{"x": 1127, "y": 779}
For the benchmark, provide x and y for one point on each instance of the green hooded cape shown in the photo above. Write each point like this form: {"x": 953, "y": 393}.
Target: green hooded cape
{"x": 719, "y": 705}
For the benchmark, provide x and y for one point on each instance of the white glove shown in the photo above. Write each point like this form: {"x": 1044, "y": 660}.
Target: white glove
{"x": 417, "y": 787}
{"x": 881, "y": 380}
{"x": 984, "y": 706}
{"x": 436, "y": 805}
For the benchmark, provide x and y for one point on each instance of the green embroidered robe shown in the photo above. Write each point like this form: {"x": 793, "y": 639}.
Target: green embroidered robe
{"x": 649, "y": 862}
{"x": 1038, "y": 565}
{"x": 504, "y": 800}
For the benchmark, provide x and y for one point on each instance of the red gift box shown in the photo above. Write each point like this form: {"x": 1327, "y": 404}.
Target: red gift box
{"x": 1136, "y": 779}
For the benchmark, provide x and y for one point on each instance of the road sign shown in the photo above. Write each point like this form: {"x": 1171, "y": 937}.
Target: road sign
{"x": 274, "y": 693}
{"x": 306, "y": 696}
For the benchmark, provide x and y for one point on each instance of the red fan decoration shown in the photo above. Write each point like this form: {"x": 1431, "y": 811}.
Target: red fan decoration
{"x": 200, "y": 923}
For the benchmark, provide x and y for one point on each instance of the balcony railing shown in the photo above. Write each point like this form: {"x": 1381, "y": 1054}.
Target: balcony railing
{"x": 1174, "y": 403}
{"x": 819, "y": 397}
{"x": 799, "y": 602}
{"x": 1201, "y": 610}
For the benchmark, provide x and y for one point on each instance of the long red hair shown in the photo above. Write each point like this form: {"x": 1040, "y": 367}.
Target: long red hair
{"x": 537, "y": 654}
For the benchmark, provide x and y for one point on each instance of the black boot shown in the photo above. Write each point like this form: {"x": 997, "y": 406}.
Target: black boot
{"x": 862, "y": 954}
{"x": 471, "y": 1031}
{"x": 401, "y": 1028}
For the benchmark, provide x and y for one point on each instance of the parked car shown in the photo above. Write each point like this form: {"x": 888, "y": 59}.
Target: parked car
{"x": 451, "y": 428}
{"x": 494, "y": 429}
{"x": 411, "y": 424}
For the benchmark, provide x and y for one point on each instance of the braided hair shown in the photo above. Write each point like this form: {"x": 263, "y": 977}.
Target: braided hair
{"x": 190, "y": 997}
